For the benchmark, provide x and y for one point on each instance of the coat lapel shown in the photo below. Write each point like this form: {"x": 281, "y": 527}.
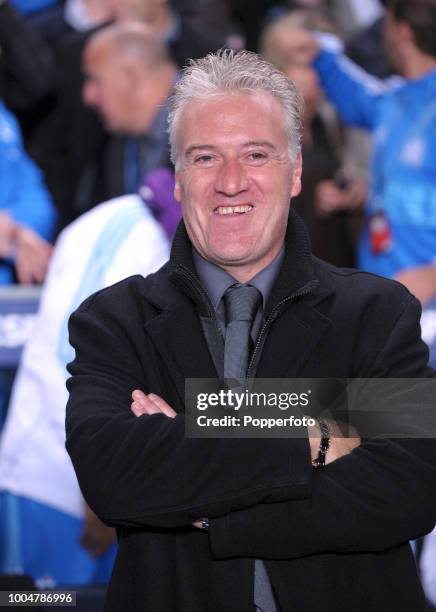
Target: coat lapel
{"x": 291, "y": 341}
{"x": 178, "y": 337}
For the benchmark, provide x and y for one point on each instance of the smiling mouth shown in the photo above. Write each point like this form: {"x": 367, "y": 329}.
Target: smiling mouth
{"x": 231, "y": 210}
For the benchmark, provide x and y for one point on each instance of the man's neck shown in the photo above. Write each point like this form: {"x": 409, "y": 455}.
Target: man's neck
{"x": 243, "y": 274}
{"x": 417, "y": 65}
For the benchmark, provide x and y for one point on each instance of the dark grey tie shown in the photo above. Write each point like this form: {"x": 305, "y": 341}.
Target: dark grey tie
{"x": 241, "y": 303}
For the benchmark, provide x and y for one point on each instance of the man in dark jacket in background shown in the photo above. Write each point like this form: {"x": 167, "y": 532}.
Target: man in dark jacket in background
{"x": 129, "y": 76}
{"x": 229, "y": 524}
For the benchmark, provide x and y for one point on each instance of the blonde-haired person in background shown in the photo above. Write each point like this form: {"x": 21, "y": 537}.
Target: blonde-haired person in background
{"x": 333, "y": 236}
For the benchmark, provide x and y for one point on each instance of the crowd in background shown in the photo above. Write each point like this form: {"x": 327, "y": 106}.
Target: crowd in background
{"x": 85, "y": 81}
{"x": 86, "y": 191}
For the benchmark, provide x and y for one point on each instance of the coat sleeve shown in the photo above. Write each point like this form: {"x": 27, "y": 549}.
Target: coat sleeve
{"x": 378, "y": 496}
{"x": 144, "y": 471}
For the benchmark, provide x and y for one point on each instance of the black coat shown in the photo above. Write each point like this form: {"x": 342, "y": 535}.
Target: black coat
{"x": 334, "y": 539}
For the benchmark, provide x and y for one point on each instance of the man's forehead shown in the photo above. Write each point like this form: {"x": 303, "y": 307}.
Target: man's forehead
{"x": 99, "y": 52}
{"x": 234, "y": 99}
{"x": 245, "y": 118}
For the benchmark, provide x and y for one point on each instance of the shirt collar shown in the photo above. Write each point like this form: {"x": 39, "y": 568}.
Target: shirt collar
{"x": 216, "y": 281}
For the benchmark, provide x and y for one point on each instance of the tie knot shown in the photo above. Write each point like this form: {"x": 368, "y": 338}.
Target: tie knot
{"x": 241, "y": 303}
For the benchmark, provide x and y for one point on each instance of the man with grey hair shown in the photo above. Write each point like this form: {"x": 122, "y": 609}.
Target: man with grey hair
{"x": 316, "y": 522}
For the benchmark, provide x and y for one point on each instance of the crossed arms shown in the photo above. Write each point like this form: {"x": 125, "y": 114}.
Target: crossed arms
{"x": 263, "y": 497}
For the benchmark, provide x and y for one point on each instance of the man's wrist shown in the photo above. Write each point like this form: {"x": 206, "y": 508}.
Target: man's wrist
{"x": 314, "y": 433}
{"x": 324, "y": 445}
{"x": 320, "y": 440}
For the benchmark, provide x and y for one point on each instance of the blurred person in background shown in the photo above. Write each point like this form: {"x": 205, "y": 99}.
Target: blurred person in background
{"x": 351, "y": 16}
{"x": 332, "y": 236}
{"x": 399, "y": 235}
{"x": 27, "y": 220}
{"x": 46, "y": 529}
{"x": 176, "y": 22}
{"x": 70, "y": 142}
{"x": 27, "y": 214}
{"x": 69, "y": 135}
{"x": 129, "y": 76}
{"x": 366, "y": 48}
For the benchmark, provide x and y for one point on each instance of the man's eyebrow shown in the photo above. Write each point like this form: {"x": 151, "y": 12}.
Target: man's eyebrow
{"x": 259, "y": 143}
{"x": 199, "y": 147}
{"x": 250, "y": 143}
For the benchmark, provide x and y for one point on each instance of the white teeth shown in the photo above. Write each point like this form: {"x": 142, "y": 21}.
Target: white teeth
{"x": 228, "y": 210}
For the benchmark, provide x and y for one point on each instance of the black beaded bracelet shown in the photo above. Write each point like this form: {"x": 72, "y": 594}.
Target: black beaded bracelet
{"x": 205, "y": 524}
{"x": 324, "y": 445}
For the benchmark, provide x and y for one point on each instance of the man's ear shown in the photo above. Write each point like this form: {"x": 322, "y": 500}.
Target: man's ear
{"x": 298, "y": 168}
{"x": 405, "y": 33}
{"x": 177, "y": 194}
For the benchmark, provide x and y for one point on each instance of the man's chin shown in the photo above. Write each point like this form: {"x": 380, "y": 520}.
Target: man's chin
{"x": 236, "y": 261}
{"x": 115, "y": 128}
{"x": 231, "y": 257}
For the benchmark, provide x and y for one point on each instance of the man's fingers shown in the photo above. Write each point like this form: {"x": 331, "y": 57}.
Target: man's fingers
{"x": 150, "y": 404}
{"x": 144, "y": 407}
{"x": 24, "y": 274}
{"x": 137, "y": 395}
{"x": 142, "y": 404}
{"x": 143, "y": 401}
{"x": 162, "y": 405}
{"x": 137, "y": 409}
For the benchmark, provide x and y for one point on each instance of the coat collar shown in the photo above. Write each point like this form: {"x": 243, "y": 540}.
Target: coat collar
{"x": 296, "y": 271}
{"x": 177, "y": 328}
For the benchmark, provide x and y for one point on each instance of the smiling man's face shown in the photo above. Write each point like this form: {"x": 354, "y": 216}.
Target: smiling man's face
{"x": 235, "y": 179}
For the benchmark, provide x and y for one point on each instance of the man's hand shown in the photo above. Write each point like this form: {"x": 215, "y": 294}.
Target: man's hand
{"x": 150, "y": 404}
{"x": 340, "y": 444}
{"x": 32, "y": 256}
{"x": 329, "y": 198}
{"x": 420, "y": 281}
{"x": 301, "y": 48}
{"x": 8, "y": 229}
{"x": 198, "y": 524}
{"x": 96, "y": 536}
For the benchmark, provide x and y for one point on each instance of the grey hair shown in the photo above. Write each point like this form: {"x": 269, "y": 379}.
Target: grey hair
{"x": 227, "y": 71}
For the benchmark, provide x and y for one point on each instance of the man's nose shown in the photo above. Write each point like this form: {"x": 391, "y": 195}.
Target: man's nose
{"x": 231, "y": 178}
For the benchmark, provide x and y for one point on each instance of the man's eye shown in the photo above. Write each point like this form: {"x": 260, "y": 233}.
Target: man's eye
{"x": 257, "y": 156}
{"x": 203, "y": 159}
